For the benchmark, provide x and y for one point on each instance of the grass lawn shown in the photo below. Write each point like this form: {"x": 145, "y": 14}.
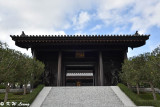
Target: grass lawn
{"x": 12, "y": 97}
{"x": 148, "y": 96}
{"x": 19, "y": 97}
{"x": 144, "y": 99}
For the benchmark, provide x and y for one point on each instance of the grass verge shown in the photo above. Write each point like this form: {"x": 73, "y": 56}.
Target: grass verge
{"x": 144, "y": 99}
{"x": 28, "y": 98}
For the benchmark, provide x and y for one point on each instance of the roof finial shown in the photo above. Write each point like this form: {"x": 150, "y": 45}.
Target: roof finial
{"x": 136, "y": 34}
{"x": 23, "y": 34}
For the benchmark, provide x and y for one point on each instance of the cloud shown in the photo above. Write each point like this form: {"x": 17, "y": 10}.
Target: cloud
{"x": 96, "y": 27}
{"x": 42, "y": 14}
{"x": 38, "y": 17}
{"x": 145, "y": 15}
{"x": 76, "y": 15}
{"x": 63, "y": 16}
{"x": 81, "y": 20}
{"x": 111, "y": 11}
{"x": 141, "y": 15}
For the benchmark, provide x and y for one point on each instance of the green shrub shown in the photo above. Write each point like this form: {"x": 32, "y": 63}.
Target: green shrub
{"x": 138, "y": 99}
{"x": 2, "y": 86}
{"x": 20, "y": 93}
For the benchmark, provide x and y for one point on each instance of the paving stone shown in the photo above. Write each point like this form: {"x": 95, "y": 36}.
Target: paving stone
{"x": 97, "y": 96}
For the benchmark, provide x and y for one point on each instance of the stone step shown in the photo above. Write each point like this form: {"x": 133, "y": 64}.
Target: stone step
{"x": 88, "y": 96}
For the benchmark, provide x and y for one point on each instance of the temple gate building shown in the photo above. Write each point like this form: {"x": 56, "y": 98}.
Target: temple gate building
{"x": 80, "y": 60}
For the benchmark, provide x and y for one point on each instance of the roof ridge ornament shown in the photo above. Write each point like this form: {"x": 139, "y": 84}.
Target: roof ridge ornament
{"x": 136, "y": 34}
{"x": 23, "y": 34}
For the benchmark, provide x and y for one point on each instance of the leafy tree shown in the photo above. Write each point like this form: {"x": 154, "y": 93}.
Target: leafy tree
{"x": 29, "y": 71}
{"x": 150, "y": 74}
{"x": 152, "y": 69}
{"x": 16, "y": 67}
{"x": 38, "y": 70}
{"x": 24, "y": 70}
{"x": 143, "y": 69}
{"x": 156, "y": 60}
{"x": 137, "y": 63}
{"x": 131, "y": 73}
{"x": 8, "y": 64}
{"x": 126, "y": 75}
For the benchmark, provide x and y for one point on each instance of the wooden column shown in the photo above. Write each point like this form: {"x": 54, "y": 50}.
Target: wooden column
{"x": 125, "y": 53}
{"x": 59, "y": 69}
{"x": 96, "y": 75}
{"x": 101, "y": 68}
{"x": 93, "y": 78}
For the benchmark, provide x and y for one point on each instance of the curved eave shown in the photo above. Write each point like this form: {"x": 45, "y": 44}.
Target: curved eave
{"x": 127, "y": 40}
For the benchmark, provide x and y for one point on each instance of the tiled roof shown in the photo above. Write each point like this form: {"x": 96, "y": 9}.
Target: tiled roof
{"x": 27, "y": 41}
{"x": 23, "y": 35}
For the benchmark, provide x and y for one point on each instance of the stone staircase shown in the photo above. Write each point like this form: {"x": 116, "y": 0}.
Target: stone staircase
{"x": 90, "y": 96}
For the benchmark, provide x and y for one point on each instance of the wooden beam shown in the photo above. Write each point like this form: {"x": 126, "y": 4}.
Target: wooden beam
{"x": 59, "y": 69}
{"x": 50, "y": 49}
{"x": 101, "y": 68}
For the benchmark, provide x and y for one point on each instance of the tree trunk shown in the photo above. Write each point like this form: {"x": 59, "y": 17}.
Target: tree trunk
{"x": 153, "y": 91}
{"x": 137, "y": 87}
{"x": 31, "y": 85}
{"x": 21, "y": 85}
{"x": 25, "y": 89}
{"x": 14, "y": 86}
{"x": 128, "y": 85}
{"x": 6, "y": 93}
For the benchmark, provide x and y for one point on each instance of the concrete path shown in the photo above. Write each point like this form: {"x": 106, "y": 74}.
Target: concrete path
{"x": 41, "y": 97}
{"x": 123, "y": 97}
{"x": 90, "y": 96}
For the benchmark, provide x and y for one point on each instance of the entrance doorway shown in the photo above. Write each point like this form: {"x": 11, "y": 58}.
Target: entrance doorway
{"x": 79, "y": 75}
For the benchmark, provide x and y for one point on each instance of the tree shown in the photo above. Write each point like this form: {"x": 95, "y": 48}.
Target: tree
{"x": 126, "y": 75}
{"x": 37, "y": 72}
{"x": 8, "y": 64}
{"x": 156, "y": 59}
{"x": 137, "y": 63}
{"x": 16, "y": 67}
{"x": 131, "y": 73}
{"x": 144, "y": 68}
{"x": 152, "y": 69}
{"x": 29, "y": 71}
{"x": 150, "y": 74}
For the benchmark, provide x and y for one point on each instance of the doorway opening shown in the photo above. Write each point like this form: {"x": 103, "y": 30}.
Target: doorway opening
{"x": 79, "y": 75}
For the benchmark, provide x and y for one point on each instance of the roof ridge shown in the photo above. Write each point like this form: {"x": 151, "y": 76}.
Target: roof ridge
{"x": 81, "y": 35}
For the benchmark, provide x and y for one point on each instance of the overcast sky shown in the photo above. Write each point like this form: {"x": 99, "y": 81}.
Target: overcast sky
{"x": 81, "y": 17}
